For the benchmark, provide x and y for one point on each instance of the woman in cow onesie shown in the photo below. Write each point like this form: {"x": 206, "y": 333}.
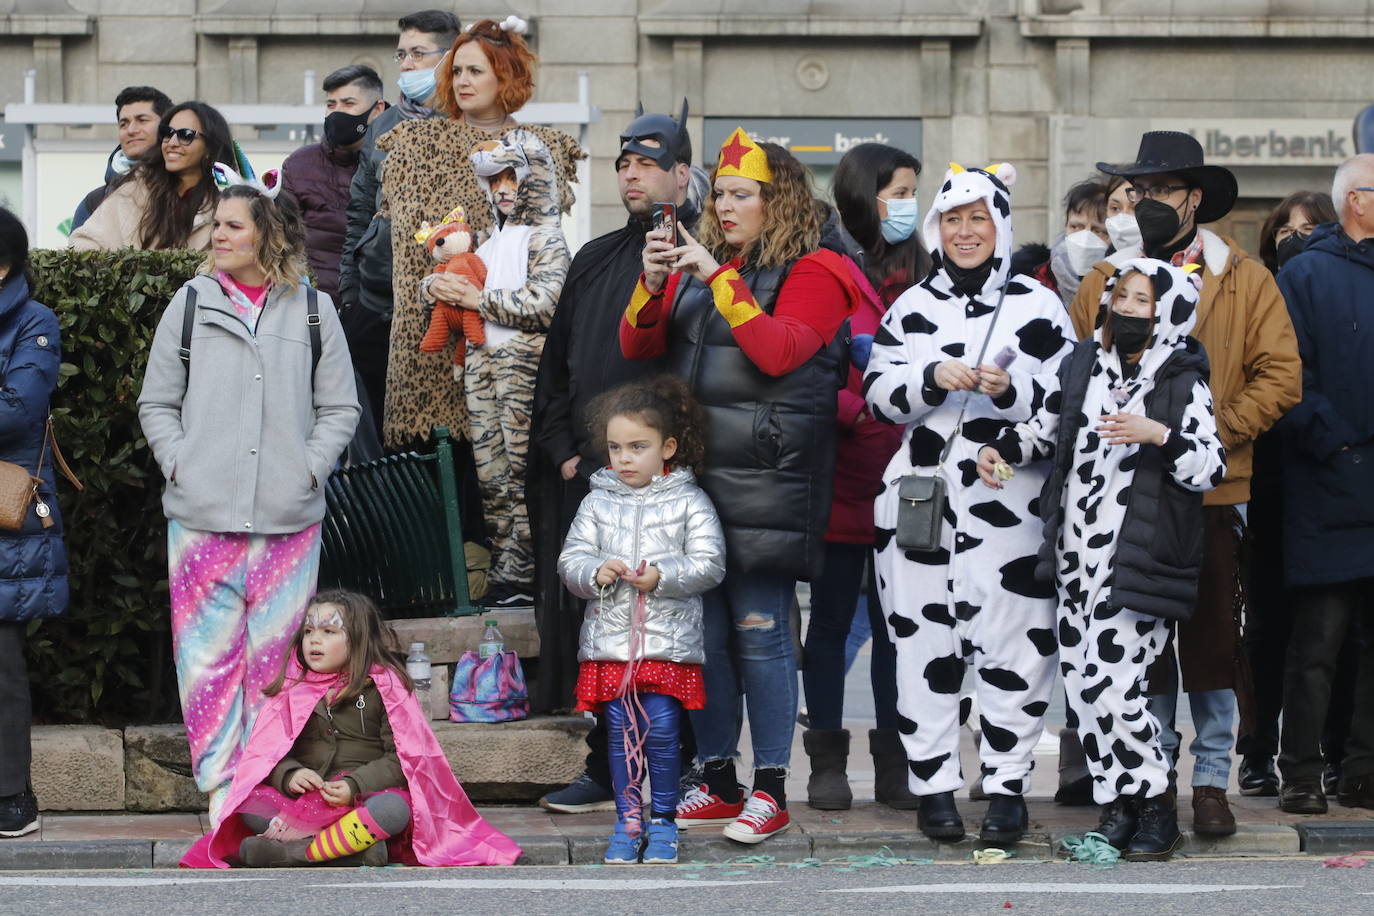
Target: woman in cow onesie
{"x": 1123, "y": 528}
{"x": 975, "y": 600}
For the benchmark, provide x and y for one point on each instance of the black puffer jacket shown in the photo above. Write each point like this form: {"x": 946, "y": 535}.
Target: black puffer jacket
{"x": 770, "y": 442}
{"x": 1159, "y": 554}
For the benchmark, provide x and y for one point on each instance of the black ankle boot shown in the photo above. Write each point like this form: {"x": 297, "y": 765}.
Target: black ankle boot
{"x": 1006, "y": 820}
{"x": 1118, "y": 822}
{"x": 938, "y": 818}
{"x": 1156, "y": 837}
{"x": 891, "y": 775}
{"x": 828, "y": 787}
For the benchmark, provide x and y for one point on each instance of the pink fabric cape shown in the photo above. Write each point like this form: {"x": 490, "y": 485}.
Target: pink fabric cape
{"x": 447, "y": 829}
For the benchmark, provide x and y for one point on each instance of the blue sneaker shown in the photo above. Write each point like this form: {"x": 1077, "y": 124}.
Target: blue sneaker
{"x": 661, "y": 848}
{"x": 583, "y": 796}
{"x": 623, "y": 849}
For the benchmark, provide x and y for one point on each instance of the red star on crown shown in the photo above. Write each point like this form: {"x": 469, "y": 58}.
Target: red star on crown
{"x": 732, "y": 154}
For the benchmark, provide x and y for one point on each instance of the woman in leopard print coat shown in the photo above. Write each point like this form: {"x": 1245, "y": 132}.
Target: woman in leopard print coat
{"x": 487, "y": 74}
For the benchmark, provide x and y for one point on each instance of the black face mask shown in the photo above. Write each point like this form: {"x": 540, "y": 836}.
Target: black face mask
{"x": 1158, "y": 223}
{"x": 1130, "y": 332}
{"x": 344, "y": 129}
{"x": 1289, "y": 247}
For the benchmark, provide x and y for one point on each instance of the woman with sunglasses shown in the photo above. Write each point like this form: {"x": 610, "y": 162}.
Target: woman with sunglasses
{"x": 168, "y": 200}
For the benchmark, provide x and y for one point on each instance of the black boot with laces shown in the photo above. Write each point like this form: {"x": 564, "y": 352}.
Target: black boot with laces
{"x": 1157, "y": 837}
{"x": 1118, "y": 822}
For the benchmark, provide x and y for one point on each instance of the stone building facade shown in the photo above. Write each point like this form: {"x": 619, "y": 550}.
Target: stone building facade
{"x": 1270, "y": 86}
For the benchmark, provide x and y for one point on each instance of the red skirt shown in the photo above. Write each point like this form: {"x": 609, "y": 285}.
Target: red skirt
{"x": 599, "y": 682}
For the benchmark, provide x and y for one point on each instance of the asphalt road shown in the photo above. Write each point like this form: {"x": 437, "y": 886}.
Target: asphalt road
{"x": 1191, "y": 887}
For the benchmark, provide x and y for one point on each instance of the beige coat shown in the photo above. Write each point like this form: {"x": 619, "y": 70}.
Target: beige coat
{"x": 115, "y": 223}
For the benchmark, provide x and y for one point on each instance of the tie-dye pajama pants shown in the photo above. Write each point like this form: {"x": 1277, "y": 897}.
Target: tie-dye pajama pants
{"x": 237, "y": 602}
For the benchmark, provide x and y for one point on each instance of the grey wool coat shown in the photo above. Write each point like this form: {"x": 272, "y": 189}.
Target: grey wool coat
{"x": 247, "y": 442}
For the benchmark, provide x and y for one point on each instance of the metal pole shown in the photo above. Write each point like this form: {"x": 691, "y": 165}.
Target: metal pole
{"x": 583, "y": 221}
{"x": 29, "y": 161}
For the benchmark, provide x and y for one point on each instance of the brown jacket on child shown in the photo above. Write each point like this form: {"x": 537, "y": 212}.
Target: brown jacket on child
{"x": 346, "y": 738}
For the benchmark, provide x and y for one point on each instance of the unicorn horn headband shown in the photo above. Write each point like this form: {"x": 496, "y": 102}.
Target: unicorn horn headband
{"x": 225, "y": 176}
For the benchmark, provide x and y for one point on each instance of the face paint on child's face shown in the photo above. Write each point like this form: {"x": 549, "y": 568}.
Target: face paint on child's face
{"x": 503, "y": 189}
{"x": 324, "y": 642}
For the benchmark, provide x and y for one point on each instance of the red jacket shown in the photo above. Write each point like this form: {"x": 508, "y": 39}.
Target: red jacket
{"x": 864, "y": 445}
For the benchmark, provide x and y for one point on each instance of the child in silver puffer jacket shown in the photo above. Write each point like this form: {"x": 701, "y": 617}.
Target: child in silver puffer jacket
{"x": 646, "y": 543}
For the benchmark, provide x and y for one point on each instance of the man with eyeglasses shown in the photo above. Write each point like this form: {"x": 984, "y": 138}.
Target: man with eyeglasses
{"x": 138, "y": 109}
{"x": 1255, "y": 378}
{"x": 365, "y": 267}
{"x": 1328, "y": 546}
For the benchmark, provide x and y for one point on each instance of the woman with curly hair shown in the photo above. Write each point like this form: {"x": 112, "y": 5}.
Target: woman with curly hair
{"x": 169, "y": 199}
{"x": 246, "y": 425}
{"x": 486, "y": 76}
{"x": 749, "y": 316}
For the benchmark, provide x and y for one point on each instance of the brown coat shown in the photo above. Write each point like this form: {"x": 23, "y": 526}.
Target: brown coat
{"x": 353, "y": 741}
{"x": 425, "y": 174}
{"x": 1243, "y": 324}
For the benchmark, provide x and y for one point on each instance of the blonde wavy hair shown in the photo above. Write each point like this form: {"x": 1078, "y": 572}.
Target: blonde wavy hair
{"x": 279, "y": 248}
{"x": 791, "y": 217}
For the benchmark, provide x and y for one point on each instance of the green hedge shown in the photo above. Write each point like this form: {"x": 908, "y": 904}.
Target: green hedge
{"x": 108, "y": 660}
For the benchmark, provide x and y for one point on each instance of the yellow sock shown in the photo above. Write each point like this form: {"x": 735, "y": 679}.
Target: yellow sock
{"x": 347, "y": 835}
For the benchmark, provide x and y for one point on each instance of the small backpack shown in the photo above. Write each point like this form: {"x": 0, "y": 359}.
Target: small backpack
{"x": 490, "y": 689}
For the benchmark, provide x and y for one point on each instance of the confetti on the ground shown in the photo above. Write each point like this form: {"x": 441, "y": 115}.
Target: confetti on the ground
{"x": 1350, "y": 860}
{"x": 1091, "y": 849}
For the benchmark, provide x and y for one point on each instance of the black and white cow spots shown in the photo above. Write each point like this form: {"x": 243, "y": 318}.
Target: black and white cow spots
{"x": 975, "y": 601}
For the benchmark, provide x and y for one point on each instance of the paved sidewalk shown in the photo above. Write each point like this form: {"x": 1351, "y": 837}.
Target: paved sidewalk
{"x": 157, "y": 840}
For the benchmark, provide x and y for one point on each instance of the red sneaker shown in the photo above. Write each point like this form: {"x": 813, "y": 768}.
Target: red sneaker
{"x": 702, "y": 809}
{"x": 760, "y": 819}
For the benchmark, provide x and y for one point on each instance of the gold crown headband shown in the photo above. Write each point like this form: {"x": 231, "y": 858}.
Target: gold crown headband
{"x": 743, "y": 157}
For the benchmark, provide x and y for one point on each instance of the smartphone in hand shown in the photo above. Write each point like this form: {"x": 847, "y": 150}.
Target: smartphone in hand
{"x": 665, "y": 217}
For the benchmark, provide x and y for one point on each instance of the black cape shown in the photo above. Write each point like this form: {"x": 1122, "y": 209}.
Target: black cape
{"x": 581, "y": 360}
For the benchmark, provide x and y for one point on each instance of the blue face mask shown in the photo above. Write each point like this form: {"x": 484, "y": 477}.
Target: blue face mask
{"x": 417, "y": 85}
{"x": 903, "y": 213}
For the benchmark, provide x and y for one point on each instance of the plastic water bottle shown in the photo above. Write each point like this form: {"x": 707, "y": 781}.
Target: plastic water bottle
{"x": 418, "y": 667}
{"x": 493, "y": 643}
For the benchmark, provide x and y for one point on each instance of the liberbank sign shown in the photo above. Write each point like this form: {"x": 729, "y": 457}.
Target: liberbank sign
{"x": 1263, "y": 141}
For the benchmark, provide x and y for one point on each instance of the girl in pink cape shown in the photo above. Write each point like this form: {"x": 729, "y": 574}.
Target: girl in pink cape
{"x": 341, "y": 767}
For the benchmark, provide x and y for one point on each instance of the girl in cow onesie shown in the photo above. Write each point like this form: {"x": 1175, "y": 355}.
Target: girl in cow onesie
{"x": 975, "y": 600}
{"x": 1128, "y": 423}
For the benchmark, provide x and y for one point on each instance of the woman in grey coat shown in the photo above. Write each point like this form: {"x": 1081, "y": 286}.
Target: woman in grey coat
{"x": 246, "y": 416}
{"x": 644, "y": 546}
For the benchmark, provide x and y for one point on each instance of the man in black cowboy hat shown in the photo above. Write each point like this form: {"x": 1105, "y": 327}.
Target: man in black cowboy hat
{"x": 1255, "y": 377}
{"x": 582, "y": 359}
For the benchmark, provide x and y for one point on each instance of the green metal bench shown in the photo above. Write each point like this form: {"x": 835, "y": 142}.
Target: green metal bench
{"x": 393, "y": 530}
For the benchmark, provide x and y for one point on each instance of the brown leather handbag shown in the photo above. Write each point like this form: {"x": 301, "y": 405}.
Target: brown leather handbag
{"x": 19, "y": 488}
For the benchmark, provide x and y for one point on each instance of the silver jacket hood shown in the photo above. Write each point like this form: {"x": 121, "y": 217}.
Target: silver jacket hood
{"x": 670, "y": 524}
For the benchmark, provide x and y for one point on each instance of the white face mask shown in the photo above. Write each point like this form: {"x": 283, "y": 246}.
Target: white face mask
{"x": 1084, "y": 248}
{"x": 1123, "y": 231}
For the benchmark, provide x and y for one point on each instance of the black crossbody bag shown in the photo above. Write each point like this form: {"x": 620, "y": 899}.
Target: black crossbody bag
{"x": 921, "y": 497}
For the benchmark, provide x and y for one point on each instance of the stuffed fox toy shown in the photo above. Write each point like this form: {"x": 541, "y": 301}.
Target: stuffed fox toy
{"x": 450, "y": 244}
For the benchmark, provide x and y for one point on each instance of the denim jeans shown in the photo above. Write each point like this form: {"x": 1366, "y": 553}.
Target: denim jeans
{"x": 748, "y": 654}
{"x": 1214, "y": 715}
{"x": 834, "y": 597}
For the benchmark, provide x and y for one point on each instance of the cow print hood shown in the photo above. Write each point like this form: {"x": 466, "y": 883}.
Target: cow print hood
{"x": 1176, "y": 300}
{"x": 964, "y": 186}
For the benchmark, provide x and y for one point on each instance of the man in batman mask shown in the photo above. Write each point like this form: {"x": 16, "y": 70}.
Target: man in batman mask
{"x": 582, "y": 359}
{"x": 1256, "y": 377}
